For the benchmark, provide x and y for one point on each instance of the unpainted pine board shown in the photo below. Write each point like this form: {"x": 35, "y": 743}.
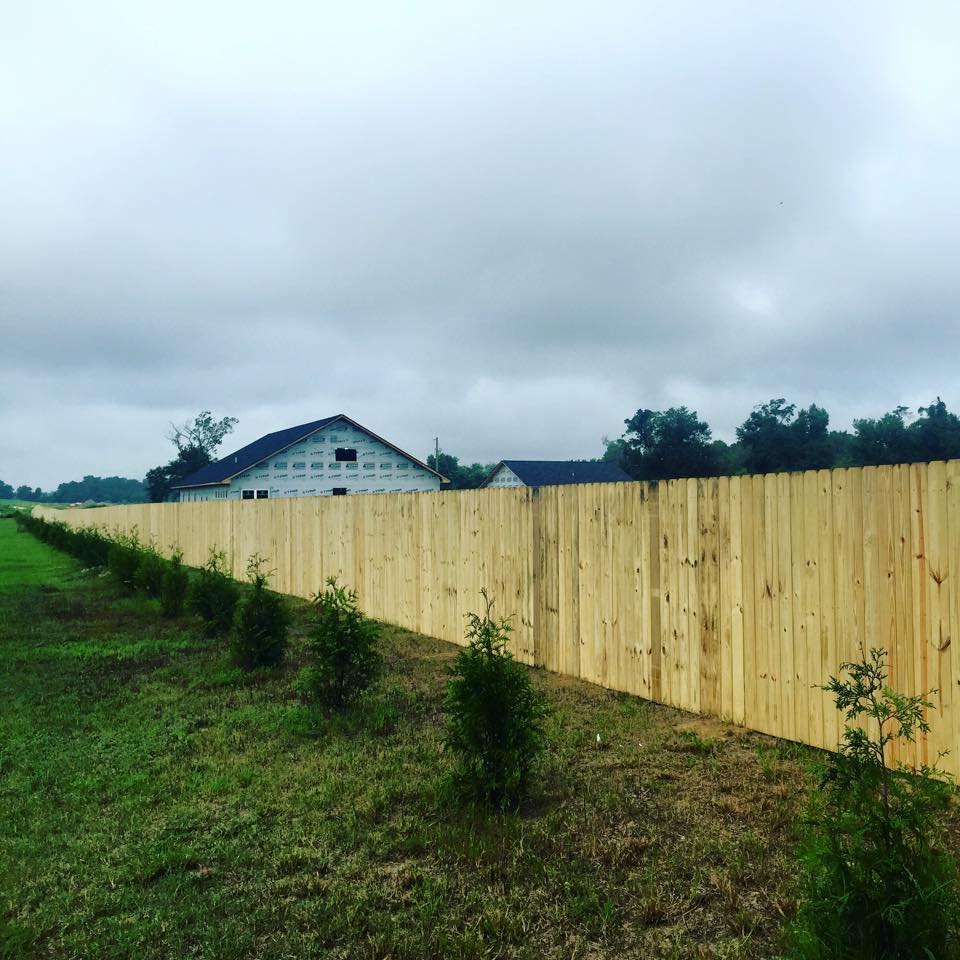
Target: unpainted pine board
{"x": 536, "y": 577}
{"x": 725, "y": 599}
{"x": 903, "y": 675}
{"x": 589, "y": 609}
{"x": 633, "y": 624}
{"x": 668, "y": 588}
{"x": 872, "y": 558}
{"x": 681, "y": 654}
{"x": 681, "y": 612}
{"x": 654, "y": 547}
{"x": 786, "y": 673}
{"x": 693, "y": 595}
{"x": 952, "y": 762}
{"x": 846, "y": 546}
{"x": 609, "y": 496}
{"x": 469, "y": 580}
{"x": 827, "y": 511}
{"x": 643, "y": 552}
{"x": 882, "y": 595}
{"x": 855, "y": 487}
{"x": 617, "y": 598}
{"x": 548, "y": 632}
{"x": 735, "y": 575}
{"x": 938, "y": 586}
{"x": 769, "y": 620}
{"x": 568, "y": 525}
{"x": 798, "y": 606}
{"x": 708, "y": 588}
{"x": 812, "y": 608}
{"x": 870, "y": 584}
{"x": 525, "y": 586}
{"x": 919, "y": 577}
{"x": 748, "y": 540}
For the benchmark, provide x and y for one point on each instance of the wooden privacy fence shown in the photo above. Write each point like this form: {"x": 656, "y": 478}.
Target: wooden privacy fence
{"x": 733, "y": 597}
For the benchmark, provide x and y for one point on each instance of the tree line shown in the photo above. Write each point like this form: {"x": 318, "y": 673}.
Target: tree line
{"x": 778, "y": 436}
{"x": 98, "y": 489}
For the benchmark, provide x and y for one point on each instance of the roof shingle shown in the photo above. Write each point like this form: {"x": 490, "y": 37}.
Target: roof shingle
{"x": 548, "y": 473}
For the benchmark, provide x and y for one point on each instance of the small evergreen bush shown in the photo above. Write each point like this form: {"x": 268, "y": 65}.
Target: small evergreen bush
{"x": 879, "y": 882}
{"x": 173, "y": 588}
{"x": 213, "y": 595}
{"x": 148, "y": 576}
{"x": 343, "y": 647}
{"x": 123, "y": 558}
{"x": 495, "y": 716}
{"x": 260, "y": 624}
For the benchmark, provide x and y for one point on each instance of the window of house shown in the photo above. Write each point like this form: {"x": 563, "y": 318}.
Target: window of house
{"x": 263, "y": 494}
{"x": 246, "y": 494}
{"x": 346, "y": 455}
{"x": 339, "y": 491}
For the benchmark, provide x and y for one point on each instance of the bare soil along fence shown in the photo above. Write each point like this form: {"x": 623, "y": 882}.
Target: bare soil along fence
{"x": 734, "y": 597}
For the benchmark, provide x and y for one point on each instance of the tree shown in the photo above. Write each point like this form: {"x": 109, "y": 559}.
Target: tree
{"x": 202, "y": 433}
{"x": 24, "y": 492}
{"x": 495, "y": 715}
{"x": 663, "y": 444}
{"x": 883, "y": 440}
{"x": 101, "y": 489}
{"x": 196, "y": 442}
{"x": 880, "y": 882}
{"x": 776, "y": 437}
{"x": 461, "y": 477}
{"x": 6, "y": 491}
{"x": 935, "y": 433}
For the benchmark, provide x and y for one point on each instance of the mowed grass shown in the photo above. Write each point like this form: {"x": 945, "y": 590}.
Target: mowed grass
{"x": 25, "y": 561}
{"x": 158, "y": 803}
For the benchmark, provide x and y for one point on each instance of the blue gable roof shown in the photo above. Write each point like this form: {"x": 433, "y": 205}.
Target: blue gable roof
{"x": 240, "y": 460}
{"x": 548, "y": 473}
{"x": 234, "y": 463}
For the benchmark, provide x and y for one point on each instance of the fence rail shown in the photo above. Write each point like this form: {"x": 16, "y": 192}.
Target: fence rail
{"x": 734, "y": 597}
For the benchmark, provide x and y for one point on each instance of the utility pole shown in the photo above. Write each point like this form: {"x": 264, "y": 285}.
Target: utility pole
{"x": 436, "y": 454}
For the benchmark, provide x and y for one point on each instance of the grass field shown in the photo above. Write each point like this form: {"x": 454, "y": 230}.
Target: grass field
{"x": 157, "y": 803}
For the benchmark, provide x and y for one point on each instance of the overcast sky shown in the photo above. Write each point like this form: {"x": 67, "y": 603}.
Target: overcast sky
{"x": 506, "y": 224}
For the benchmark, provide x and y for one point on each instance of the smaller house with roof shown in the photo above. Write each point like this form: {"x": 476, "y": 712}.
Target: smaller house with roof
{"x": 335, "y": 456}
{"x": 550, "y": 473}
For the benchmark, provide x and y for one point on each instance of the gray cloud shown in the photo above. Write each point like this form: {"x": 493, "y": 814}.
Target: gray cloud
{"x": 509, "y": 225}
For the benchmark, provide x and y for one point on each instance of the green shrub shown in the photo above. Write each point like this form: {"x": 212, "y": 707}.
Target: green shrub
{"x": 148, "y": 576}
{"x": 260, "y": 624}
{"x": 495, "y": 716}
{"x": 879, "y": 881}
{"x": 343, "y": 648}
{"x": 213, "y": 595}
{"x": 123, "y": 558}
{"x": 173, "y": 588}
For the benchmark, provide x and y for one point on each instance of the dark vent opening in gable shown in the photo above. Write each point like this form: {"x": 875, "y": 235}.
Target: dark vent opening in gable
{"x": 346, "y": 455}
{"x": 339, "y": 491}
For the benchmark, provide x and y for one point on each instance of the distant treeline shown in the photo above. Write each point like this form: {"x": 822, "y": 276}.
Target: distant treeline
{"x": 99, "y": 489}
{"x": 779, "y": 436}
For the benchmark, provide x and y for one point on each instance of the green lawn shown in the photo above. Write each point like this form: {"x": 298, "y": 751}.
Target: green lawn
{"x": 156, "y": 803}
{"x": 25, "y": 561}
